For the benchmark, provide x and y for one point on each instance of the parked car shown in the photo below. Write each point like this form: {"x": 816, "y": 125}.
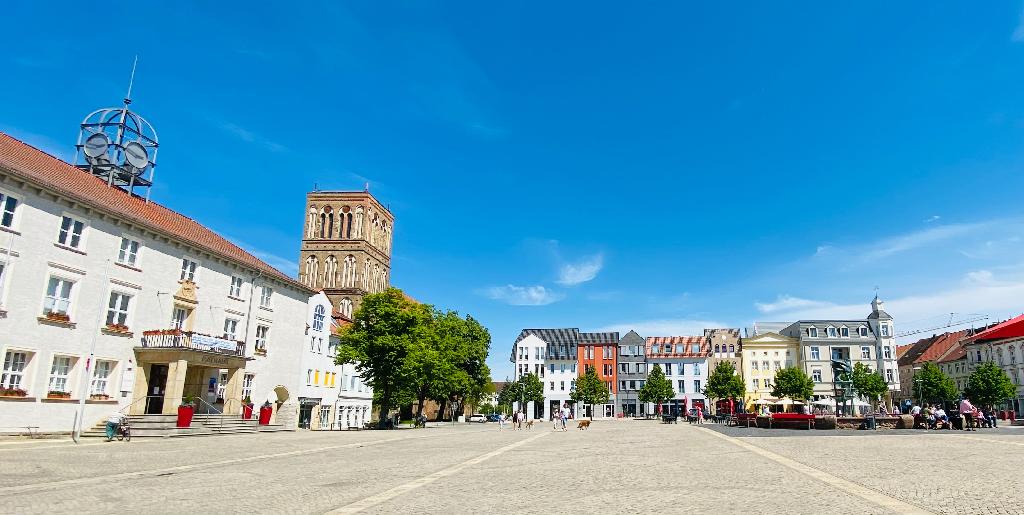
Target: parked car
{"x": 477, "y": 418}
{"x": 493, "y": 417}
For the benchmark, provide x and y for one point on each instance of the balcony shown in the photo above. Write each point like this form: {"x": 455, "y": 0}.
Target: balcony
{"x": 177, "y": 339}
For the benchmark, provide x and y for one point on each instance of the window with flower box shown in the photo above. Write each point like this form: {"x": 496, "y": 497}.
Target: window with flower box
{"x": 117, "y": 310}
{"x": 58, "y": 297}
{"x": 261, "y": 338}
{"x": 60, "y": 369}
{"x": 101, "y": 378}
{"x": 15, "y": 363}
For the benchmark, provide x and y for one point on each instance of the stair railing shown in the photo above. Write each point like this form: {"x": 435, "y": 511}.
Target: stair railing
{"x": 209, "y": 407}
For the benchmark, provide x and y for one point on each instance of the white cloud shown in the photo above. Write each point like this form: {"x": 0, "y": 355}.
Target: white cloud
{"x": 789, "y": 303}
{"x": 523, "y": 295}
{"x": 251, "y": 137}
{"x": 664, "y": 327}
{"x": 1018, "y": 31}
{"x": 585, "y": 270}
{"x": 919, "y": 239}
{"x": 933, "y": 218}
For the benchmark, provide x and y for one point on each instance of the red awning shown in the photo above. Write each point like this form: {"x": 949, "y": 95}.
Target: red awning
{"x": 1012, "y": 328}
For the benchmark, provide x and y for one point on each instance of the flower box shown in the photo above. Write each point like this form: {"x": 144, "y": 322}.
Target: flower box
{"x": 58, "y": 317}
{"x": 117, "y": 328}
{"x": 99, "y": 397}
{"x": 162, "y": 332}
{"x": 54, "y": 394}
{"x": 13, "y": 392}
{"x": 185, "y": 416}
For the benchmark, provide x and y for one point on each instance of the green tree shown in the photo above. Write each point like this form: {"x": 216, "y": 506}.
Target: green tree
{"x": 792, "y": 382}
{"x": 656, "y": 389}
{"x": 448, "y": 361}
{"x": 508, "y": 395}
{"x": 931, "y": 385}
{"x": 724, "y": 383}
{"x": 868, "y": 384}
{"x": 379, "y": 341}
{"x": 527, "y": 388}
{"x": 590, "y": 389}
{"x": 988, "y": 385}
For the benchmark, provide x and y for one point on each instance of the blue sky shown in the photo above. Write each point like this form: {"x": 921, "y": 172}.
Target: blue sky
{"x": 581, "y": 164}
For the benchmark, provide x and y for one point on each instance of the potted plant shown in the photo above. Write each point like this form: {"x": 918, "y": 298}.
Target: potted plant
{"x": 185, "y": 411}
{"x": 57, "y": 394}
{"x": 266, "y": 410}
{"x": 246, "y": 408}
{"x": 13, "y": 392}
{"x": 99, "y": 397}
{"x": 117, "y": 328}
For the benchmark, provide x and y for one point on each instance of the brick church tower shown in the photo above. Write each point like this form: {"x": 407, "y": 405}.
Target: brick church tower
{"x": 346, "y": 246}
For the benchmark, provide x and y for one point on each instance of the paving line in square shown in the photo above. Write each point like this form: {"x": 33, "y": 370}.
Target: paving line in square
{"x": 391, "y": 493}
{"x": 890, "y": 503}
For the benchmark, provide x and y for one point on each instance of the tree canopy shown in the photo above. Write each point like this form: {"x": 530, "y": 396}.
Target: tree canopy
{"x": 657, "y": 389}
{"x": 792, "y": 382}
{"x": 931, "y": 385}
{"x": 409, "y": 351}
{"x": 724, "y": 383}
{"x": 988, "y": 385}
{"x": 590, "y": 389}
{"x": 868, "y": 384}
{"x": 525, "y": 389}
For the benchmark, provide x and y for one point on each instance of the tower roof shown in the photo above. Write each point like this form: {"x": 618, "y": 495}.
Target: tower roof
{"x": 877, "y": 311}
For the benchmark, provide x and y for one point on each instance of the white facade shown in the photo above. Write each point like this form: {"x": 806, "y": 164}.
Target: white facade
{"x": 688, "y": 376}
{"x": 559, "y": 381}
{"x": 530, "y": 357}
{"x": 76, "y": 274}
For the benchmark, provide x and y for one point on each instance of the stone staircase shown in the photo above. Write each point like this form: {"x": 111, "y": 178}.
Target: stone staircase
{"x": 202, "y": 425}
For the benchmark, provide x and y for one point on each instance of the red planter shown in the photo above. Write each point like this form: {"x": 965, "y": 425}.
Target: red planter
{"x": 1011, "y": 415}
{"x": 265, "y": 413}
{"x": 1002, "y": 414}
{"x": 185, "y": 416}
{"x": 246, "y": 411}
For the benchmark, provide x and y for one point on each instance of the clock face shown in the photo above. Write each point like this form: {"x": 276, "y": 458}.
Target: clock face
{"x": 96, "y": 145}
{"x": 135, "y": 154}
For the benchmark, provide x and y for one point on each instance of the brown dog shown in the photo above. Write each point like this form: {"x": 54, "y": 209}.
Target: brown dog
{"x": 584, "y": 424}
{"x": 529, "y": 424}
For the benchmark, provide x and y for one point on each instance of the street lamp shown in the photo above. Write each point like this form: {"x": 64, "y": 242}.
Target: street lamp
{"x": 920, "y": 389}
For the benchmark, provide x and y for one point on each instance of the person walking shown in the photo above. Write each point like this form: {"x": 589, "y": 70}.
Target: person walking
{"x": 501, "y": 422}
{"x": 563, "y": 416}
{"x": 967, "y": 410}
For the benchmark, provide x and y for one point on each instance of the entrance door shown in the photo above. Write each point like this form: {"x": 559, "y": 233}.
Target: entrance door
{"x": 157, "y": 383}
{"x": 305, "y": 415}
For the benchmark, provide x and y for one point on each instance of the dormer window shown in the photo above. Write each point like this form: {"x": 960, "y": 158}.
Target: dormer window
{"x": 844, "y": 332}
{"x": 831, "y": 332}
{"x": 862, "y": 331}
{"x": 812, "y": 332}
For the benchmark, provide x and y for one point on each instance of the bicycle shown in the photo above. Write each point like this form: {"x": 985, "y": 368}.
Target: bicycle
{"x": 124, "y": 431}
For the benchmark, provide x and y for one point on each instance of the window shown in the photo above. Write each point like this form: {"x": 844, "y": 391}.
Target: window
{"x": 561, "y": 385}
{"x": 887, "y": 352}
{"x": 732, "y": 348}
{"x": 58, "y": 296}
{"x": 188, "y": 269}
{"x": 352, "y": 382}
{"x": 573, "y": 368}
{"x": 695, "y": 348}
{"x": 622, "y": 385}
{"x": 70, "y": 232}
{"x": 838, "y": 354}
{"x": 679, "y": 349}
{"x": 129, "y": 253}
{"x": 607, "y": 369}
{"x": 641, "y": 368}
{"x": 681, "y": 386}
{"x": 178, "y": 317}
{"x": 696, "y": 386}
{"x": 778, "y": 365}
{"x": 862, "y": 331}
{"x": 668, "y": 369}
{"x": 865, "y": 352}
{"x": 236, "y": 287}
{"x": 318, "y": 317}
{"x": 885, "y": 330}
{"x": 309, "y": 377}
{"x": 230, "y": 329}
{"x": 831, "y": 332}
{"x": 117, "y": 309}
{"x": 261, "y": 337}
{"x": 551, "y": 368}
{"x": 265, "y": 293}
{"x": 815, "y": 353}
{"x": 552, "y": 387}
{"x": 764, "y": 365}
{"x": 654, "y": 349}
{"x": 59, "y": 371}
{"x": 606, "y": 352}
{"x": 561, "y": 368}
{"x": 3, "y": 270}
{"x": 753, "y": 365}
{"x": 844, "y": 332}
{"x": 7, "y": 206}
{"x": 757, "y": 383}
{"x": 100, "y": 377}
{"x": 812, "y": 332}
{"x": 537, "y": 353}
{"x": 888, "y": 375}
{"x": 696, "y": 369}
{"x": 1013, "y": 354}
{"x": 816, "y": 375}
{"x": 623, "y": 368}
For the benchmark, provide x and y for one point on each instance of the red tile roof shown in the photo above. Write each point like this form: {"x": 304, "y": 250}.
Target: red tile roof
{"x": 1012, "y": 328}
{"x": 942, "y": 345}
{"x": 39, "y": 168}
{"x": 686, "y": 341}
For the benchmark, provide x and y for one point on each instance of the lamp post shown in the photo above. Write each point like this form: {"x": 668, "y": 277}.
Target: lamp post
{"x": 919, "y": 382}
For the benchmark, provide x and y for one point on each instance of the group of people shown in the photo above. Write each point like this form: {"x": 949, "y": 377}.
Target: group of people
{"x": 519, "y": 417}
{"x": 935, "y": 417}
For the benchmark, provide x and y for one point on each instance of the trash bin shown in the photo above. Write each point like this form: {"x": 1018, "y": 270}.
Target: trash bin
{"x": 1012, "y": 415}
{"x": 1002, "y": 414}
{"x": 869, "y": 423}
{"x": 265, "y": 413}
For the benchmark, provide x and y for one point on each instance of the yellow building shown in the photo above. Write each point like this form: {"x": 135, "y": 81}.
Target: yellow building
{"x": 763, "y": 356}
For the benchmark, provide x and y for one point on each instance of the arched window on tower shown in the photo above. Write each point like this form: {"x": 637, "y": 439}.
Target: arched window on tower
{"x": 348, "y": 226}
{"x": 366, "y": 275}
{"x": 323, "y": 220}
{"x": 359, "y": 222}
{"x": 312, "y": 268}
{"x": 345, "y": 307}
{"x": 330, "y": 222}
{"x": 348, "y": 273}
{"x": 311, "y": 223}
{"x": 330, "y": 272}
{"x": 342, "y": 226}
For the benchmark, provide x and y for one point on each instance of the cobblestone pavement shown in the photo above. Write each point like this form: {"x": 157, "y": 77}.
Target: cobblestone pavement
{"x": 616, "y": 466}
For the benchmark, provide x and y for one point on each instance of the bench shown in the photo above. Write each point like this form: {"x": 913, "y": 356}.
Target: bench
{"x": 791, "y": 418}
{"x": 744, "y": 418}
{"x": 669, "y": 419}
